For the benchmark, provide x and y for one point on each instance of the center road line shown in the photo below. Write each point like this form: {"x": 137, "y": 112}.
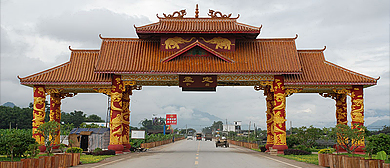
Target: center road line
{"x": 110, "y": 162}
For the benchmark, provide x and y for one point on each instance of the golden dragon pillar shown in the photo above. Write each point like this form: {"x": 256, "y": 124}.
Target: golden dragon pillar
{"x": 39, "y": 94}
{"x": 341, "y": 114}
{"x": 270, "y": 117}
{"x": 116, "y": 127}
{"x": 55, "y": 114}
{"x": 357, "y": 112}
{"x": 279, "y": 114}
{"x": 126, "y": 119}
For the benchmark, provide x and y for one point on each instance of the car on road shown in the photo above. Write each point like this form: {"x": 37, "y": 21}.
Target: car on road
{"x": 189, "y": 137}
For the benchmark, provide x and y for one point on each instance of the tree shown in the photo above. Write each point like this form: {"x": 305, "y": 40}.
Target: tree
{"x": 308, "y": 136}
{"x": 76, "y": 117}
{"x": 49, "y": 131}
{"x": 93, "y": 118}
{"x": 217, "y": 125}
{"x": 148, "y": 125}
{"x": 347, "y": 137}
{"x": 83, "y": 125}
{"x": 18, "y": 117}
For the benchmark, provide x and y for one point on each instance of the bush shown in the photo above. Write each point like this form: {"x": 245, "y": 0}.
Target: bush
{"x": 380, "y": 142}
{"x": 262, "y": 148}
{"x": 105, "y": 152}
{"x": 326, "y": 151}
{"x": 74, "y": 149}
{"x": 295, "y": 152}
{"x": 97, "y": 150}
{"x": 303, "y": 148}
{"x": 18, "y": 139}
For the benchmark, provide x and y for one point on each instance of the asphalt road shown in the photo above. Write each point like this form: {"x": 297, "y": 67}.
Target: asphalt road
{"x": 202, "y": 154}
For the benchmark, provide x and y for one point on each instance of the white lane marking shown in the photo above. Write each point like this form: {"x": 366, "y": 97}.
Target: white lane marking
{"x": 281, "y": 161}
{"x": 110, "y": 162}
{"x": 275, "y": 160}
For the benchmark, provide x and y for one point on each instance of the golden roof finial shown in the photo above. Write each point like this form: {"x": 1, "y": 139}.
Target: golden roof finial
{"x": 196, "y": 11}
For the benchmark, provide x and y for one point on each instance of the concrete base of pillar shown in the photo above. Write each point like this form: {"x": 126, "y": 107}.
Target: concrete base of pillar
{"x": 280, "y": 148}
{"x": 126, "y": 147}
{"x": 267, "y": 146}
{"x": 117, "y": 148}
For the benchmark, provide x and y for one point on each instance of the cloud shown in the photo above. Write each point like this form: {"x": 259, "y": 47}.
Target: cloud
{"x": 85, "y": 26}
{"x": 35, "y": 37}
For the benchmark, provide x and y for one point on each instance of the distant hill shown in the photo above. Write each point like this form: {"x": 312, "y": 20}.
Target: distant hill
{"x": 199, "y": 120}
{"x": 378, "y": 124}
{"x": 9, "y": 104}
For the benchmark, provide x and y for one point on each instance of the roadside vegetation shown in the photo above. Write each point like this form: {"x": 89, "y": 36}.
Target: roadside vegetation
{"x": 310, "y": 139}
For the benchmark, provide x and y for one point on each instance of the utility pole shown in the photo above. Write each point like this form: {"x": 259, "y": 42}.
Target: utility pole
{"x": 186, "y": 130}
{"x": 249, "y": 131}
{"x": 254, "y": 126}
{"x": 227, "y": 128}
{"x": 290, "y": 127}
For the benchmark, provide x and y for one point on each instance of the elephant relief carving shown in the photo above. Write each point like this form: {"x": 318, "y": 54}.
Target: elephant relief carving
{"x": 173, "y": 42}
{"x": 221, "y": 43}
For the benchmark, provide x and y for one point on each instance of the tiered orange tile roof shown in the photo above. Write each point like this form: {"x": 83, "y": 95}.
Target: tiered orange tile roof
{"x": 137, "y": 56}
{"x": 317, "y": 71}
{"x": 198, "y": 25}
{"x": 78, "y": 70}
{"x": 122, "y": 56}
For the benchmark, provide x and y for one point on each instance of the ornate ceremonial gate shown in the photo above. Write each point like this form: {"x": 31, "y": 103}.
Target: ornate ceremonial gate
{"x": 197, "y": 54}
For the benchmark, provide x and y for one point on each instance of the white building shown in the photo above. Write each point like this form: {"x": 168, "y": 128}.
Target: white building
{"x": 236, "y": 126}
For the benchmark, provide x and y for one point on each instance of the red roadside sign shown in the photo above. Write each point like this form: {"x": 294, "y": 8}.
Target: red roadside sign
{"x": 171, "y": 119}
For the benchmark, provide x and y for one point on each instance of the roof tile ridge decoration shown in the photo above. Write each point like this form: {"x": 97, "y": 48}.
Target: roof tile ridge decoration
{"x": 83, "y": 50}
{"x": 274, "y": 39}
{"x": 123, "y": 38}
{"x": 311, "y": 50}
{"x": 197, "y": 43}
{"x": 349, "y": 71}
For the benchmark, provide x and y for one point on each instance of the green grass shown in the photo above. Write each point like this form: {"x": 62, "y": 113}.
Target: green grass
{"x": 313, "y": 158}
{"x": 93, "y": 159}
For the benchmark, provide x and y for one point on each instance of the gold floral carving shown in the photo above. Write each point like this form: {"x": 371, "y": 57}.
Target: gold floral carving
{"x": 106, "y": 91}
{"x": 129, "y": 83}
{"x": 289, "y": 92}
{"x": 343, "y": 91}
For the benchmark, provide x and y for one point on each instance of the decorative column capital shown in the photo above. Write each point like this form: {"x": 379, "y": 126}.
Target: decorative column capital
{"x": 105, "y": 91}
{"x": 329, "y": 95}
{"x": 289, "y": 92}
{"x": 342, "y": 91}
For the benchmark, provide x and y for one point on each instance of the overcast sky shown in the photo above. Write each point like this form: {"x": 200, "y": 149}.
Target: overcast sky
{"x": 35, "y": 36}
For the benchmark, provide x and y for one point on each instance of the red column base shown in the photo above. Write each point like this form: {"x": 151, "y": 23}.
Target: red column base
{"x": 117, "y": 148}
{"x": 280, "y": 148}
{"x": 126, "y": 147}
{"x": 56, "y": 146}
{"x": 339, "y": 148}
{"x": 267, "y": 147}
{"x": 42, "y": 148}
{"x": 360, "y": 149}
